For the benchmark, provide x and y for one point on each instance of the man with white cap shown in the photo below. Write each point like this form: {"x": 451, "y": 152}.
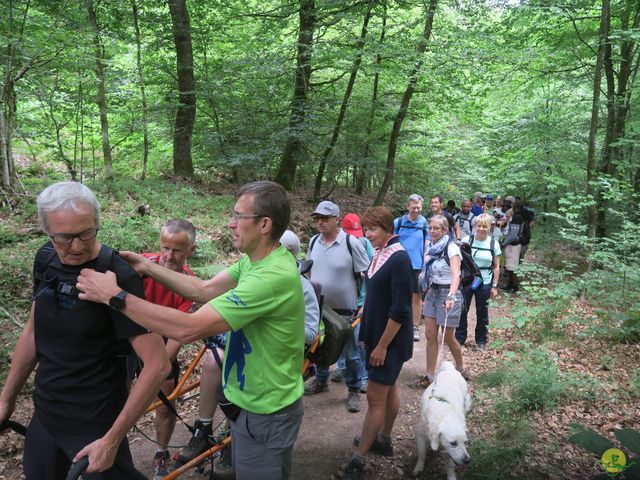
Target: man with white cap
{"x": 338, "y": 261}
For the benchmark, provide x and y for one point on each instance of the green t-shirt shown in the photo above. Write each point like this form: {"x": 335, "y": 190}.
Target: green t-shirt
{"x": 262, "y": 370}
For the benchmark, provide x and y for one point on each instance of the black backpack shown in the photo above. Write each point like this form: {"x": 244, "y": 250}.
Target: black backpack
{"x": 398, "y": 224}
{"x": 336, "y": 334}
{"x": 61, "y": 282}
{"x": 468, "y": 268}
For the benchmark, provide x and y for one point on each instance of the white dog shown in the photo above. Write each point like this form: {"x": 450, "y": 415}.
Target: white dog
{"x": 442, "y": 419}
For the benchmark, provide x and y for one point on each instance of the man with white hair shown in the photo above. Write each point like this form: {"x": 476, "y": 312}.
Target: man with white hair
{"x": 82, "y": 407}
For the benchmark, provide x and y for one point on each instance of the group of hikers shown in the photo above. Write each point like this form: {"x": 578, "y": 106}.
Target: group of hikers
{"x": 105, "y": 327}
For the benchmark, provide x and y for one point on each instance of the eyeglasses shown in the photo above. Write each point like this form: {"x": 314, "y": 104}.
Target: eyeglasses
{"x": 67, "y": 238}
{"x": 434, "y": 229}
{"x": 239, "y": 216}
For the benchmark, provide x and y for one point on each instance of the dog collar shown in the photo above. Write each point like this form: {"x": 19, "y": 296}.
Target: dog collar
{"x": 440, "y": 399}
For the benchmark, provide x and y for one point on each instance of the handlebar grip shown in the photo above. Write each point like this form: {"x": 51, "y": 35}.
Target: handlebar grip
{"x": 15, "y": 426}
{"x": 78, "y": 468}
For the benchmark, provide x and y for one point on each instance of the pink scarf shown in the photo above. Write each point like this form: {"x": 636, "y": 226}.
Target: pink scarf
{"x": 381, "y": 256}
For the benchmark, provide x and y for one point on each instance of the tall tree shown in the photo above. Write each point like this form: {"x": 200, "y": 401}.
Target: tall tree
{"x": 404, "y": 104}
{"x": 101, "y": 97}
{"x": 186, "y": 112}
{"x": 592, "y": 210}
{"x": 145, "y": 119}
{"x": 345, "y": 99}
{"x": 294, "y": 150}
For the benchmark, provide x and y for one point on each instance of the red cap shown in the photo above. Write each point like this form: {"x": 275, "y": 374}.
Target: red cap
{"x": 351, "y": 225}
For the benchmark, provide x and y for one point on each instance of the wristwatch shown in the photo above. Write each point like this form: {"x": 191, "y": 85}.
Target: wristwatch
{"x": 494, "y": 286}
{"x": 117, "y": 301}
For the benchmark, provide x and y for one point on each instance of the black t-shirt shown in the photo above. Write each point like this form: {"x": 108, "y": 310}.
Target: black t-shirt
{"x": 80, "y": 384}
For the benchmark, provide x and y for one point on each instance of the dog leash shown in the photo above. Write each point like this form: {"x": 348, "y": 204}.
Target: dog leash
{"x": 440, "y": 350}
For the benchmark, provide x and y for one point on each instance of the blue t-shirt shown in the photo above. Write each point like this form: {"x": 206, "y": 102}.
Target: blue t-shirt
{"x": 412, "y": 237}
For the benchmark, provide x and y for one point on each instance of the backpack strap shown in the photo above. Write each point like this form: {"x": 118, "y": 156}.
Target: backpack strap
{"x": 44, "y": 257}
{"x": 104, "y": 258}
{"x": 313, "y": 241}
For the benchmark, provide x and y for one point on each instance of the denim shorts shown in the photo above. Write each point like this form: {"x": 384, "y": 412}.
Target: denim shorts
{"x": 434, "y": 306}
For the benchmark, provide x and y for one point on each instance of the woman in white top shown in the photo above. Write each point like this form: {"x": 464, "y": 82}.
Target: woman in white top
{"x": 443, "y": 301}
{"x": 486, "y": 253}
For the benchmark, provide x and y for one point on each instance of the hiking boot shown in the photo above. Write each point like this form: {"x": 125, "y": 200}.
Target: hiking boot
{"x": 161, "y": 464}
{"x": 315, "y": 387}
{"x": 223, "y": 468}
{"x": 198, "y": 443}
{"x": 354, "y": 471}
{"x": 416, "y": 334}
{"x": 336, "y": 376}
{"x": 363, "y": 387}
{"x": 379, "y": 448}
{"x": 353, "y": 401}
{"x": 421, "y": 383}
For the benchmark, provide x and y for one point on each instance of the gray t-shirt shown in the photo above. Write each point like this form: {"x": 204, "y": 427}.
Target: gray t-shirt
{"x": 466, "y": 223}
{"x": 440, "y": 271}
{"x": 311, "y": 312}
{"x": 333, "y": 268}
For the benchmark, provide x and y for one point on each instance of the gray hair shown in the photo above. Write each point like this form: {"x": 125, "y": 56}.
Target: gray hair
{"x": 179, "y": 225}
{"x": 415, "y": 198}
{"x": 291, "y": 242}
{"x": 442, "y": 222}
{"x": 72, "y": 196}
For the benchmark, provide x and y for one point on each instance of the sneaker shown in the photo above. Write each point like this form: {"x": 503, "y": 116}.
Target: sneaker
{"x": 223, "y": 468}
{"x": 421, "y": 383}
{"x": 416, "y": 334}
{"x": 481, "y": 346}
{"x": 384, "y": 449}
{"x": 353, "y": 471}
{"x": 353, "y": 401}
{"x": 363, "y": 387}
{"x": 315, "y": 387}
{"x": 464, "y": 372}
{"x": 161, "y": 464}
{"x": 198, "y": 443}
{"x": 336, "y": 376}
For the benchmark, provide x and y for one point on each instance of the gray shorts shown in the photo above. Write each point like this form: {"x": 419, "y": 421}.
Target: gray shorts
{"x": 262, "y": 444}
{"x": 434, "y": 306}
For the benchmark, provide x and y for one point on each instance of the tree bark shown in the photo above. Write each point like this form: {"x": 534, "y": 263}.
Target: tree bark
{"x": 186, "y": 112}
{"x": 145, "y": 118}
{"x": 361, "y": 171}
{"x": 404, "y": 105}
{"x": 101, "y": 96}
{"x": 345, "y": 100}
{"x": 592, "y": 193}
{"x": 294, "y": 150}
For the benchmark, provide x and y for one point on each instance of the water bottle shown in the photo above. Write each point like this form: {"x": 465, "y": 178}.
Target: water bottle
{"x": 476, "y": 283}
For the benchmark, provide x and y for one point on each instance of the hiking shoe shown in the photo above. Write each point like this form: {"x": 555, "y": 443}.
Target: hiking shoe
{"x": 416, "y": 334}
{"x": 223, "y": 468}
{"x": 198, "y": 443}
{"x": 421, "y": 383}
{"x": 464, "y": 372}
{"x": 481, "y": 346}
{"x": 353, "y": 471}
{"x": 363, "y": 387}
{"x": 315, "y": 387}
{"x": 336, "y": 376}
{"x": 161, "y": 464}
{"x": 384, "y": 449}
{"x": 353, "y": 401}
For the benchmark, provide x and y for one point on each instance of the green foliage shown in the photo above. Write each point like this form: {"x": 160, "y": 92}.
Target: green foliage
{"x": 634, "y": 384}
{"x": 537, "y": 385}
{"x": 590, "y": 440}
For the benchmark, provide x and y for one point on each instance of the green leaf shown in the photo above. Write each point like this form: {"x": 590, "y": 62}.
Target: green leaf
{"x": 630, "y": 439}
{"x": 591, "y": 441}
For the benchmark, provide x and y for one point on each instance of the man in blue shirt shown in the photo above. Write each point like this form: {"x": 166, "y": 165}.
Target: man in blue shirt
{"x": 413, "y": 231}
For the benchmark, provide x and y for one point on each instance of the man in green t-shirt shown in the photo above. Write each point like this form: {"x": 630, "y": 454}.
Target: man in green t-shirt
{"x": 259, "y": 301}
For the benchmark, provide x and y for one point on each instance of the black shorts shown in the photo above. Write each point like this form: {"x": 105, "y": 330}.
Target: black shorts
{"x": 388, "y": 373}
{"x": 48, "y": 456}
{"x": 416, "y": 284}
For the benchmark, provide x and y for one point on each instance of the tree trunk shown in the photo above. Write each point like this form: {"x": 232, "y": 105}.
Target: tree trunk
{"x": 294, "y": 150}
{"x": 360, "y": 174}
{"x": 145, "y": 120}
{"x": 404, "y": 105}
{"x": 101, "y": 97}
{"x": 592, "y": 193}
{"x": 345, "y": 100}
{"x": 186, "y": 112}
